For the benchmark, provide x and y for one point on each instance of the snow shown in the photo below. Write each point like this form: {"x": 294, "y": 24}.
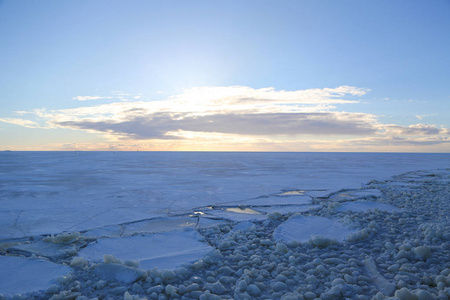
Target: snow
{"x": 166, "y": 250}
{"x": 363, "y": 206}
{"x": 302, "y": 228}
{"x": 20, "y": 275}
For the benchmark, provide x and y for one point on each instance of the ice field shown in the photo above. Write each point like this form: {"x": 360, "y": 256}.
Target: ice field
{"x": 162, "y": 225}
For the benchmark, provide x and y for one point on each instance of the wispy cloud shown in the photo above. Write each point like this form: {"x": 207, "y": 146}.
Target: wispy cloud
{"x": 421, "y": 117}
{"x": 86, "y": 98}
{"x": 21, "y": 122}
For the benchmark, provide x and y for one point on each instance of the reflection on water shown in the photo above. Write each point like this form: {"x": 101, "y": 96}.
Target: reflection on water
{"x": 293, "y": 193}
{"x": 243, "y": 210}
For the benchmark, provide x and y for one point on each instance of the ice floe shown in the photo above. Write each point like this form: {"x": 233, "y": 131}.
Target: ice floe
{"x": 362, "y": 206}
{"x": 166, "y": 250}
{"x": 303, "y": 228}
{"x": 279, "y": 200}
{"x": 160, "y": 225}
{"x": 46, "y": 249}
{"x": 356, "y": 194}
{"x": 20, "y": 275}
{"x": 287, "y": 209}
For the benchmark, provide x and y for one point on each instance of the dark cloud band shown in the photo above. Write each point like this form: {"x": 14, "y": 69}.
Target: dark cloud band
{"x": 156, "y": 126}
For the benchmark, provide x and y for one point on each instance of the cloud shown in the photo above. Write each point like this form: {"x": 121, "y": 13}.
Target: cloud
{"x": 231, "y": 110}
{"x": 416, "y": 129}
{"x": 237, "y": 116}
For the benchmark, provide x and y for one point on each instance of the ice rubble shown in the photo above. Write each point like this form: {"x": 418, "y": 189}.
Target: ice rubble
{"x": 166, "y": 250}
{"x": 20, "y": 275}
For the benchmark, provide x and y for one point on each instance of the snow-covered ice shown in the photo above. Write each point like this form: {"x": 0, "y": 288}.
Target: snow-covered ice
{"x": 166, "y": 250}
{"x": 20, "y": 275}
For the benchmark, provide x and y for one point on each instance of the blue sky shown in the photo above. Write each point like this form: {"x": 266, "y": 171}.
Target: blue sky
{"x": 225, "y": 75}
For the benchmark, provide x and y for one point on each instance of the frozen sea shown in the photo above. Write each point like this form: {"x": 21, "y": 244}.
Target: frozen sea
{"x": 53, "y": 192}
{"x": 143, "y": 197}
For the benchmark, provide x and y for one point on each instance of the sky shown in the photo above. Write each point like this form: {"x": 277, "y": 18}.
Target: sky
{"x": 254, "y": 75}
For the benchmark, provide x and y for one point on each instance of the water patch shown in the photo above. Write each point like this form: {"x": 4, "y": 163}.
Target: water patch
{"x": 293, "y": 193}
{"x": 243, "y": 210}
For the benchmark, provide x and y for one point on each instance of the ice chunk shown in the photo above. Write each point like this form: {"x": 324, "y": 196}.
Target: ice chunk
{"x": 384, "y": 286}
{"x": 118, "y": 272}
{"x": 20, "y": 275}
{"x": 166, "y": 250}
{"x": 362, "y": 206}
{"x": 301, "y": 228}
{"x": 243, "y": 226}
{"x": 63, "y": 238}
